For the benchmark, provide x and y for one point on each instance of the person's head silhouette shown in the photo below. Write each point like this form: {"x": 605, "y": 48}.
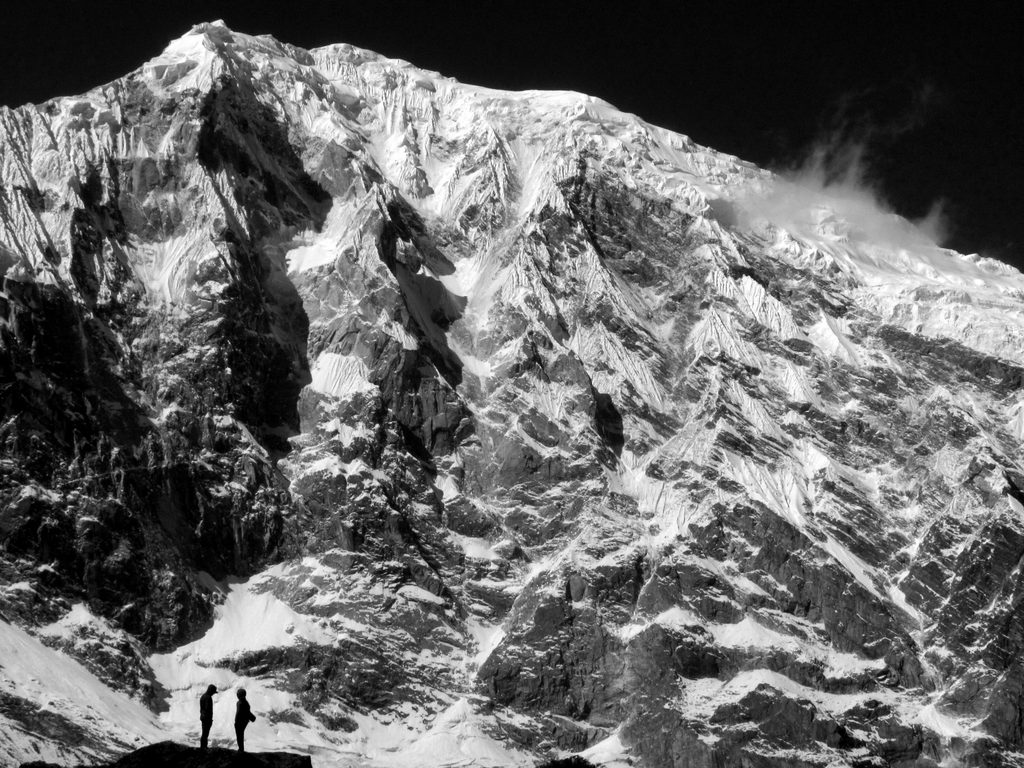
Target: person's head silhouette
{"x": 211, "y": 689}
{"x": 241, "y": 693}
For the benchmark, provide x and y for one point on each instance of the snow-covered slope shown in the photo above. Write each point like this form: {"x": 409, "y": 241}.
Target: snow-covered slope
{"x": 487, "y": 426}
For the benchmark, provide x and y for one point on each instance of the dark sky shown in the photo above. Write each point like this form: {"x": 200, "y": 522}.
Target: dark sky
{"x": 932, "y": 95}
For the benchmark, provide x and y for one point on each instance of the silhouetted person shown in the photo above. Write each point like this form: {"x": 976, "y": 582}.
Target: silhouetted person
{"x": 206, "y": 714}
{"x": 243, "y": 716}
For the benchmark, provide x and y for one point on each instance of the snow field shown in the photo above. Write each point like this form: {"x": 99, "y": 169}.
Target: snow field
{"x": 57, "y": 684}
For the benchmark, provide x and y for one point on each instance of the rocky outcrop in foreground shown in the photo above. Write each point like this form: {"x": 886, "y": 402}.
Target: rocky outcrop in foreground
{"x": 168, "y": 754}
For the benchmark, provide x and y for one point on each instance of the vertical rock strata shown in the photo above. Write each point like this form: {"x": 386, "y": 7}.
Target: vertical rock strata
{"x": 506, "y": 408}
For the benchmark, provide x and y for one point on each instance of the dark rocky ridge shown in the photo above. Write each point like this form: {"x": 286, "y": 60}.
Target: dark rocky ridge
{"x": 84, "y": 380}
{"x": 171, "y": 755}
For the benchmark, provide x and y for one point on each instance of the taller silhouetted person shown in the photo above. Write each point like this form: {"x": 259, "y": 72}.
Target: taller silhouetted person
{"x": 206, "y": 714}
{"x": 243, "y": 716}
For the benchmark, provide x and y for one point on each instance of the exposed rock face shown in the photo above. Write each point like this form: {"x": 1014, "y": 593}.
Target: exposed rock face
{"x": 504, "y": 420}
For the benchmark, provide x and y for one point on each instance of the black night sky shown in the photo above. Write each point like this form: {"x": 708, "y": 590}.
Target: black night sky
{"x": 931, "y": 97}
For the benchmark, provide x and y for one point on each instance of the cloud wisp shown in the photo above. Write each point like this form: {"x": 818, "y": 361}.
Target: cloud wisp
{"x": 834, "y": 189}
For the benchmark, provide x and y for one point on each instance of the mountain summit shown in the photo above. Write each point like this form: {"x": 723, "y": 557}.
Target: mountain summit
{"x": 465, "y": 426}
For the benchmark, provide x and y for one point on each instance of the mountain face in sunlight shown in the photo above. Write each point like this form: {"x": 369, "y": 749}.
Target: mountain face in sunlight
{"x": 481, "y": 427}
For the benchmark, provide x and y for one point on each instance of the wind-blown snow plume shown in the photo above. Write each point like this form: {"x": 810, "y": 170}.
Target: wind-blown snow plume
{"x": 837, "y": 171}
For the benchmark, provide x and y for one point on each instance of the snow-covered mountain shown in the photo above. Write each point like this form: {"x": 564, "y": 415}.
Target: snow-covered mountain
{"x": 471, "y": 427}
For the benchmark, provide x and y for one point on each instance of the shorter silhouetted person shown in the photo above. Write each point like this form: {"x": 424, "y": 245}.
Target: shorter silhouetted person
{"x": 206, "y": 714}
{"x": 243, "y": 716}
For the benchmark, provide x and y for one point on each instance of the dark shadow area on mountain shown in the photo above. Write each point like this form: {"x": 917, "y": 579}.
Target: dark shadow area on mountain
{"x": 264, "y": 328}
{"x": 405, "y": 247}
{"x": 1014, "y": 486}
{"x": 435, "y": 420}
{"x": 130, "y": 517}
{"x": 608, "y": 422}
{"x": 69, "y": 425}
{"x": 168, "y": 754}
{"x": 244, "y": 137}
